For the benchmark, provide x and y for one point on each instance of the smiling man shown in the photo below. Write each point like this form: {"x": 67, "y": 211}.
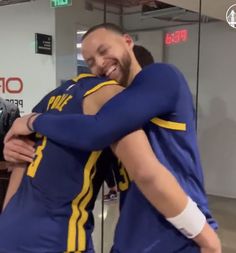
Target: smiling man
{"x": 158, "y": 99}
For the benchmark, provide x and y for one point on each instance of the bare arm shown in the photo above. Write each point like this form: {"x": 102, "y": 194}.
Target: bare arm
{"x": 154, "y": 180}
{"x": 149, "y": 174}
{"x": 14, "y": 183}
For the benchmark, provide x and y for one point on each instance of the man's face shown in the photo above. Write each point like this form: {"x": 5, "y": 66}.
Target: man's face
{"x": 108, "y": 54}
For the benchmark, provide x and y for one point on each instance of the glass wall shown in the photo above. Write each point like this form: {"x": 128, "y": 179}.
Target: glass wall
{"x": 216, "y": 113}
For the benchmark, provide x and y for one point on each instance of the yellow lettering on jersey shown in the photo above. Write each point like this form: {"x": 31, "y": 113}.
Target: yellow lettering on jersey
{"x": 78, "y": 241}
{"x": 51, "y": 100}
{"x": 58, "y": 102}
{"x": 65, "y": 102}
{"x": 32, "y": 168}
{"x": 55, "y": 102}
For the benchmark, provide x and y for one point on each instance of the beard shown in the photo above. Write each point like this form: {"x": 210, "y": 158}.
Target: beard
{"x": 125, "y": 67}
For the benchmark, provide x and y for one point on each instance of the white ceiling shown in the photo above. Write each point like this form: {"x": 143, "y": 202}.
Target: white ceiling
{"x": 7, "y": 2}
{"x": 212, "y": 8}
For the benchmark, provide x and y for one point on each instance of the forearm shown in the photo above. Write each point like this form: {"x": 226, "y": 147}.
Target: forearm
{"x": 76, "y": 130}
{"x": 164, "y": 192}
{"x": 162, "y": 189}
{"x": 153, "y": 93}
{"x": 157, "y": 184}
{"x": 117, "y": 118}
{"x": 208, "y": 240}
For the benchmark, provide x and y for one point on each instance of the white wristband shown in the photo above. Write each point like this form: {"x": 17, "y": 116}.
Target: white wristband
{"x": 190, "y": 221}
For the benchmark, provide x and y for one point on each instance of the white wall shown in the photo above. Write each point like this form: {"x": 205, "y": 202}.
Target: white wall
{"x": 149, "y": 34}
{"x": 68, "y": 21}
{"x": 217, "y": 89}
{"x": 184, "y": 55}
{"x": 217, "y": 114}
{"x": 18, "y": 25}
{"x": 41, "y": 73}
{"x": 153, "y": 41}
{"x": 141, "y": 30}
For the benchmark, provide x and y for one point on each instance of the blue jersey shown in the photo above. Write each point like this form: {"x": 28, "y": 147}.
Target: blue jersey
{"x": 173, "y": 139}
{"x": 52, "y": 210}
{"x": 158, "y": 100}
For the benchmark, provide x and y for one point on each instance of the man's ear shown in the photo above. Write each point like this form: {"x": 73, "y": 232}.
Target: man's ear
{"x": 128, "y": 40}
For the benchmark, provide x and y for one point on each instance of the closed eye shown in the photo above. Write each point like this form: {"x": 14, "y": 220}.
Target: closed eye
{"x": 103, "y": 50}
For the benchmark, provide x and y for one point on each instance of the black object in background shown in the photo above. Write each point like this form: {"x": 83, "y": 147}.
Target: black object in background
{"x": 8, "y": 113}
{"x": 43, "y": 44}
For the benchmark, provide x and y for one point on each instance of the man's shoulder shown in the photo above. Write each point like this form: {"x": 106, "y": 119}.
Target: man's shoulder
{"x": 86, "y": 77}
{"x": 155, "y": 73}
{"x": 100, "y": 94}
{"x": 159, "y": 67}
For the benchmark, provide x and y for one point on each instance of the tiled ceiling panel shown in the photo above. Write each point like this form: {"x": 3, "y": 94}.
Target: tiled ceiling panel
{"x": 127, "y": 3}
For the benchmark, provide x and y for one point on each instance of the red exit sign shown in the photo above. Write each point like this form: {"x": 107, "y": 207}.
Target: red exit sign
{"x": 176, "y": 37}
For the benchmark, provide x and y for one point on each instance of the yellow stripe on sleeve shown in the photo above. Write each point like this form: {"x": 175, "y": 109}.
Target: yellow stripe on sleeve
{"x": 83, "y": 75}
{"x": 100, "y": 85}
{"x": 169, "y": 124}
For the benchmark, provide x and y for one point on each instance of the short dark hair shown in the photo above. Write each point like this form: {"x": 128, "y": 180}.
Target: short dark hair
{"x": 143, "y": 56}
{"x": 108, "y": 26}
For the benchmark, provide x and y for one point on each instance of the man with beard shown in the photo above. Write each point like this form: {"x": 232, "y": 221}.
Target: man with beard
{"x": 52, "y": 209}
{"x": 118, "y": 173}
{"x": 158, "y": 99}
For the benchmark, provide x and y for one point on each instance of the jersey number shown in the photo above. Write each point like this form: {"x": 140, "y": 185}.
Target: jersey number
{"x": 124, "y": 184}
{"x": 32, "y": 169}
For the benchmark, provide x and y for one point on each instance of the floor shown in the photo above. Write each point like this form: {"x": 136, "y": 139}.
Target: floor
{"x": 111, "y": 214}
{"x": 224, "y": 210}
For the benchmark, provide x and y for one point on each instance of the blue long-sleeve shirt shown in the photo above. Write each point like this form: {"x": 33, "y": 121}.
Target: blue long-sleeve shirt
{"x": 153, "y": 92}
{"x": 159, "y": 101}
